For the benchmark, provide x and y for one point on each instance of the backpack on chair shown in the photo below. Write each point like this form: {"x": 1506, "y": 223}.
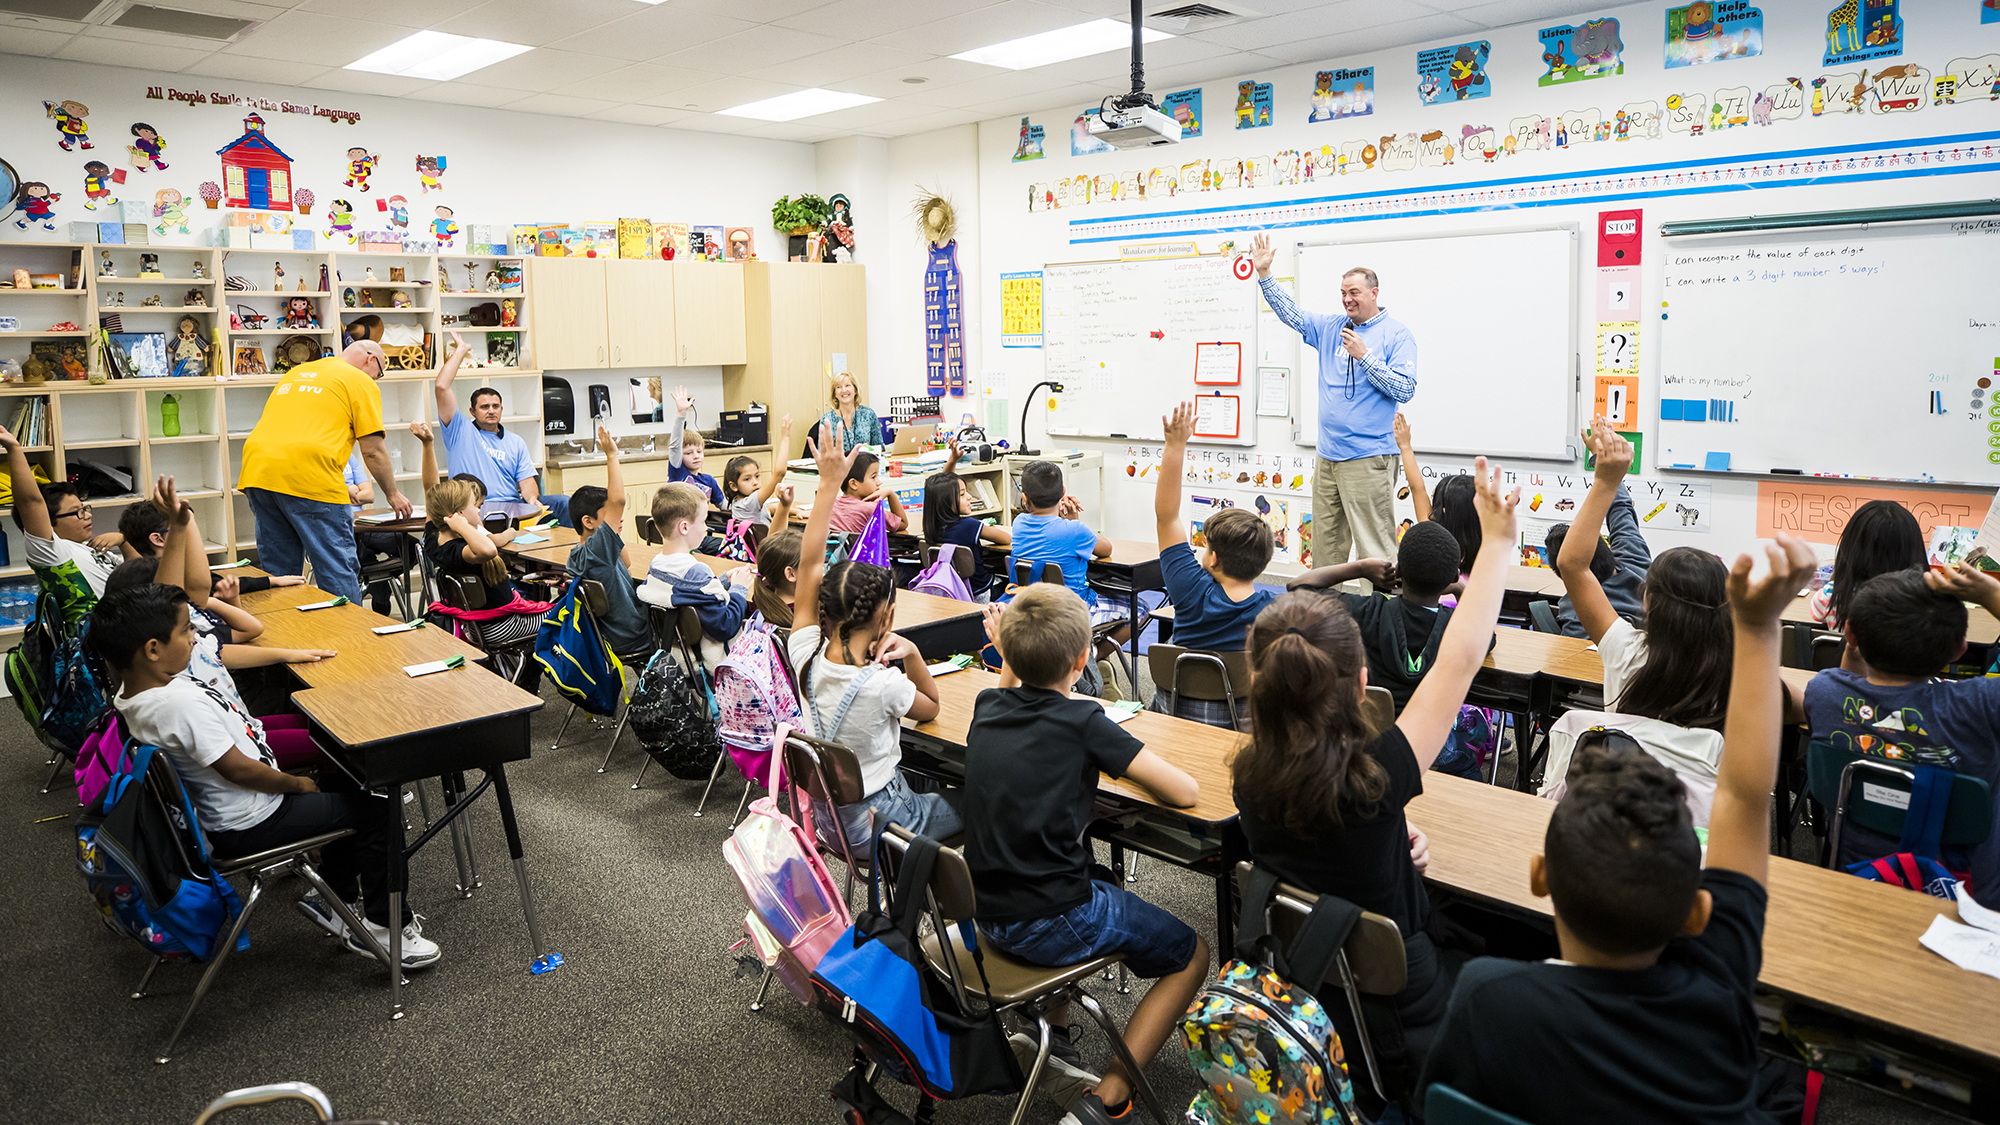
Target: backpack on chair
{"x": 78, "y": 699}
{"x": 673, "y": 713}
{"x": 736, "y": 542}
{"x": 941, "y": 579}
{"x": 754, "y": 696}
{"x": 30, "y": 669}
{"x": 572, "y": 650}
{"x": 796, "y": 909}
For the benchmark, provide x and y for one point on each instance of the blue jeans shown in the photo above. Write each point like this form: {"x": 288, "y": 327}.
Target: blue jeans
{"x": 1154, "y": 942}
{"x": 926, "y": 814}
{"x": 289, "y": 528}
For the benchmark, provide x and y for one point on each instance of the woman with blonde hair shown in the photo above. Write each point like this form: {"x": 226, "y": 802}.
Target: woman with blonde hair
{"x": 858, "y": 423}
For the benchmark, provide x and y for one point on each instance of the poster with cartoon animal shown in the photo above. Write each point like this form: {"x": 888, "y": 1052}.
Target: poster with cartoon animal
{"x": 1785, "y": 101}
{"x": 1638, "y": 121}
{"x": 1989, "y": 11}
{"x": 1253, "y": 105}
{"x": 1687, "y": 113}
{"x": 1184, "y": 106}
{"x": 1342, "y": 93}
{"x": 1974, "y": 80}
{"x": 1531, "y": 133}
{"x": 1846, "y": 92}
{"x": 1574, "y": 54}
{"x": 1194, "y": 176}
{"x": 1397, "y": 152}
{"x": 1350, "y": 156}
{"x": 1863, "y": 30}
{"x": 1029, "y": 146}
{"x": 1899, "y": 89}
{"x": 1455, "y": 73}
{"x": 1708, "y": 31}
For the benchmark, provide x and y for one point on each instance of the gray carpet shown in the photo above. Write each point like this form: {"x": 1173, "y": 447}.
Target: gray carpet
{"x": 647, "y": 1022}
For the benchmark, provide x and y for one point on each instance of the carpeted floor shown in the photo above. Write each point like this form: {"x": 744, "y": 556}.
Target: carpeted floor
{"x": 647, "y": 1022}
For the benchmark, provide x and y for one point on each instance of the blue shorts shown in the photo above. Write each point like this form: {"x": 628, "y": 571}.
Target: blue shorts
{"x": 1154, "y": 942}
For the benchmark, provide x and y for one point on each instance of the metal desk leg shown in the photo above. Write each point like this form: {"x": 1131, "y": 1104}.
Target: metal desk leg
{"x": 544, "y": 961}
{"x": 398, "y": 888}
{"x": 461, "y": 835}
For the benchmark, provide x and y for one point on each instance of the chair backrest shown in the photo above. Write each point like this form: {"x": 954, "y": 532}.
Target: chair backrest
{"x": 497, "y": 521}
{"x": 596, "y": 601}
{"x": 461, "y": 591}
{"x": 1446, "y": 1106}
{"x": 688, "y": 622}
{"x": 1827, "y": 649}
{"x": 961, "y": 561}
{"x": 1374, "y": 948}
{"x": 647, "y": 532}
{"x": 757, "y": 533}
{"x": 1200, "y": 674}
{"x": 1380, "y": 707}
{"x": 827, "y": 771}
{"x": 951, "y": 879}
{"x": 1542, "y": 615}
{"x": 1968, "y": 817}
{"x": 1024, "y": 572}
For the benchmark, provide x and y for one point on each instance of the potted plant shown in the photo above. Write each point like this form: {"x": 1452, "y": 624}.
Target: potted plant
{"x": 211, "y": 194}
{"x": 303, "y": 199}
{"x": 798, "y": 216}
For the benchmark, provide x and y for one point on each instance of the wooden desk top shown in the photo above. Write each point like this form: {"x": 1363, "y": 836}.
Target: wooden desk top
{"x": 364, "y": 657}
{"x": 1534, "y": 580}
{"x": 1981, "y": 628}
{"x": 1523, "y": 652}
{"x": 398, "y": 706}
{"x": 1830, "y": 938}
{"x": 1127, "y": 553}
{"x": 413, "y": 524}
{"x": 1203, "y": 751}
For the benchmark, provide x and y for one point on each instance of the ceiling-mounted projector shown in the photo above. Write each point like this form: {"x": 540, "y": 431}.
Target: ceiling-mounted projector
{"x": 1132, "y": 120}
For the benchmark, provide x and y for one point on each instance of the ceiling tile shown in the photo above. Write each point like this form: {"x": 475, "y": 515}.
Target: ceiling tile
{"x": 465, "y": 93}
{"x": 544, "y": 70}
{"x": 640, "y": 115}
{"x": 756, "y": 11}
{"x": 844, "y": 64}
{"x": 997, "y": 23}
{"x": 560, "y": 105}
{"x": 1011, "y": 86}
{"x": 364, "y": 82}
{"x": 766, "y": 43}
{"x": 327, "y": 40}
{"x": 939, "y": 71}
{"x": 1409, "y": 33}
{"x": 721, "y": 93}
{"x": 639, "y": 82}
{"x": 654, "y": 31}
{"x": 31, "y": 41}
{"x": 872, "y": 115}
{"x": 535, "y": 22}
{"x": 118, "y": 52}
{"x": 710, "y": 123}
{"x": 251, "y": 69}
{"x": 791, "y": 131}
{"x": 402, "y": 13}
{"x": 234, "y": 9}
{"x": 1490, "y": 15}
{"x": 1342, "y": 18}
{"x": 866, "y": 19}
{"x": 939, "y": 119}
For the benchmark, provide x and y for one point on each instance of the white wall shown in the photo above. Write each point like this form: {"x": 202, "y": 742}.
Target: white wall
{"x": 1015, "y": 239}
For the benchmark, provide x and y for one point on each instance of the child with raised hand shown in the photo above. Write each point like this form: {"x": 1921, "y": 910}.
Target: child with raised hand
{"x": 67, "y": 558}
{"x": 1033, "y": 756}
{"x": 1321, "y": 801}
{"x": 1881, "y": 537}
{"x": 748, "y": 488}
{"x": 776, "y": 585}
{"x": 948, "y": 518}
{"x": 601, "y": 556}
{"x": 858, "y": 679}
{"x": 1647, "y": 1017}
{"x": 687, "y": 450}
{"x": 676, "y": 579}
{"x": 1215, "y": 595}
{"x": 1413, "y": 474}
{"x": 860, "y": 489}
{"x": 1886, "y": 700}
{"x": 1619, "y": 562}
{"x": 463, "y": 548}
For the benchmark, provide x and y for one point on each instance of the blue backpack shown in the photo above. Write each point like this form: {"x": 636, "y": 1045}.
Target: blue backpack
{"x": 145, "y": 861}
{"x": 78, "y": 699}
{"x": 573, "y": 652}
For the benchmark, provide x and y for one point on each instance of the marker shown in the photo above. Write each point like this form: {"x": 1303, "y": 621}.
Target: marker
{"x": 1121, "y": 436}
{"x": 1789, "y": 472}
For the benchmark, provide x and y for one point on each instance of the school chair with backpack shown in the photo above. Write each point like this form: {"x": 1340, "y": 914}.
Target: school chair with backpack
{"x": 1927, "y": 808}
{"x": 755, "y": 696}
{"x": 946, "y": 573}
{"x": 673, "y": 708}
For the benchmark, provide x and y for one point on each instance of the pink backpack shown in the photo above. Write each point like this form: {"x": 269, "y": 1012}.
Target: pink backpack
{"x": 796, "y": 909}
{"x": 754, "y": 695}
{"x": 736, "y": 542}
{"x": 98, "y": 760}
{"x": 941, "y": 579}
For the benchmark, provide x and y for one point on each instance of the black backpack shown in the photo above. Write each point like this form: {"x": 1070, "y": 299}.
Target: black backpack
{"x": 675, "y": 718}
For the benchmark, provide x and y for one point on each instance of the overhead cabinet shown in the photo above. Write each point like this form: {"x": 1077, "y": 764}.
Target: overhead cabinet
{"x": 611, "y": 312}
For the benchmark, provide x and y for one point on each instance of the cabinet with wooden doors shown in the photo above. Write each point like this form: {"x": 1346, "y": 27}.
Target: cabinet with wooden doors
{"x": 708, "y": 313}
{"x": 639, "y": 313}
{"x": 804, "y": 322}
{"x": 570, "y": 313}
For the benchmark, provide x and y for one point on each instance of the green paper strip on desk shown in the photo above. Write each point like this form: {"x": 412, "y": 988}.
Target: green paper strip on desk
{"x": 339, "y": 601}
{"x": 446, "y": 665}
{"x": 385, "y": 630}
{"x": 1122, "y": 709}
{"x": 530, "y": 537}
{"x": 957, "y": 663}
{"x": 229, "y": 565}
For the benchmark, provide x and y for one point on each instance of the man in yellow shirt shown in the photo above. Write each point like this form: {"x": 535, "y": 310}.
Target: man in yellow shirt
{"x": 295, "y": 460}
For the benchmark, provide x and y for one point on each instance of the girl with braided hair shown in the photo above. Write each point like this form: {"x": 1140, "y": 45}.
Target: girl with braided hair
{"x": 858, "y": 678}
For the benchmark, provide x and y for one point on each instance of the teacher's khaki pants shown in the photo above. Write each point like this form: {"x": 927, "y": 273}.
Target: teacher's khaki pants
{"x": 1354, "y": 508}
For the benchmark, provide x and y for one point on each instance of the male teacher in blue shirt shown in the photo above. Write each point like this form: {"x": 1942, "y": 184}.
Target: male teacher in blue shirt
{"x": 481, "y": 446}
{"x": 1367, "y": 365}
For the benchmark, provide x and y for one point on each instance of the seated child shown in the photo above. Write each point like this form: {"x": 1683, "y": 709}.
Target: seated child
{"x": 676, "y": 578}
{"x": 1321, "y": 799}
{"x": 948, "y": 518}
{"x": 144, "y": 528}
{"x": 686, "y": 450}
{"x": 56, "y": 524}
{"x": 242, "y": 800}
{"x": 775, "y": 588}
{"x": 1880, "y": 537}
{"x": 1053, "y": 531}
{"x": 1903, "y": 628}
{"x": 854, "y": 506}
{"x": 463, "y": 548}
{"x": 1215, "y": 596}
{"x": 1647, "y": 1017}
{"x": 748, "y": 489}
{"x": 1033, "y": 756}
{"x": 1619, "y": 564}
{"x": 600, "y": 555}
{"x": 858, "y": 680}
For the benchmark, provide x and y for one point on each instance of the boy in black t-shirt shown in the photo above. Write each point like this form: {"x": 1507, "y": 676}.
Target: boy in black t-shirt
{"x": 1648, "y": 1017}
{"x": 1033, "y": 756}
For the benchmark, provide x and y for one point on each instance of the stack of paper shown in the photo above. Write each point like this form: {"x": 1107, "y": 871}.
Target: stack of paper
{"x": 1973, "y": 944}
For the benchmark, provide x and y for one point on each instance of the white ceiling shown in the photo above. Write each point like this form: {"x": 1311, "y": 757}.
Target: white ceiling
{"x": 677, "y": 62}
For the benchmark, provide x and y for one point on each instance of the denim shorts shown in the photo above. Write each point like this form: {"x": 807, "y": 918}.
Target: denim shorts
{"x": 1154, "y": 942}
{"x": 898, "y": 802}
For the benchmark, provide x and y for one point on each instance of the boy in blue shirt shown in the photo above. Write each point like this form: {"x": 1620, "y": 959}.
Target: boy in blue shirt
{"x": 597, "y": 514}
{"x": 686, "y": 450}
{"x": 1051, "y": 532}
{"x": 1215, "y": 596}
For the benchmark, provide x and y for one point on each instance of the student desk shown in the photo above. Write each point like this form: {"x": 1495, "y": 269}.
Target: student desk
{"x": 1981, "y": 628}
{"x": 1203, "y": 751}
{"x": 1134, "y": 564}
{"x": 390, "y": 729}
{"x": 1831, "y": 940}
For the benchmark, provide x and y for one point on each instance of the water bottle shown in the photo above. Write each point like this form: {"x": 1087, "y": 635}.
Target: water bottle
{"x": 396, "y": 459}
{"x": 170, "y": 417}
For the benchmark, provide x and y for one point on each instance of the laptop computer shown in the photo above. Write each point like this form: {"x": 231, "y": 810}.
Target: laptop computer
{"x": 912, "y": 438}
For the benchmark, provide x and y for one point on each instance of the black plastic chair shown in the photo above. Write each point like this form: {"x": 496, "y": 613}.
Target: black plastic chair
{"x": 1830, "y": 777}
{"x": 1542, "y": 615}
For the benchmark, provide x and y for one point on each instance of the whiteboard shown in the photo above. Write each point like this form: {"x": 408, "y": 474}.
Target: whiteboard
{"x": 1855, "y": 350}
{"x": 1128, "y": 340}
{"x": 1494, "y": 316}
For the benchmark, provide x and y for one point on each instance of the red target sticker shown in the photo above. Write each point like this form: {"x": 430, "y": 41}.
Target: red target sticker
{"x": 1242, "y": 268}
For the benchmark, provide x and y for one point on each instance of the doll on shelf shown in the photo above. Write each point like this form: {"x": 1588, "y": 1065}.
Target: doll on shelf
{"x": 198, "y": 272}
{"x": 399, "y": 299}
{"x": 106, "y": 268}
{"x": 299, "y": 313}
{"x": 507, "y": 314}
{"x": 190, "y": 354}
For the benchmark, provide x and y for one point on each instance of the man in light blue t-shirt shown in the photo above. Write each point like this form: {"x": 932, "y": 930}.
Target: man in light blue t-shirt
{"x": 1367, "y": 365}
{"x": 475, "y": 442}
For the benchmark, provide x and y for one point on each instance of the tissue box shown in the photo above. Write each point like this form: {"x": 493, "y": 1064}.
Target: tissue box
{"x": 271, "y": 240}
{"x": 420, "y": 246}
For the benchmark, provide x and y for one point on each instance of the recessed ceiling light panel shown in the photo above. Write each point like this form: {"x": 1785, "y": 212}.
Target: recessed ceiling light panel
{"x": 1060, "y": 45}
{"x": 803, "y": 103}
{"x": 436, "y": 56}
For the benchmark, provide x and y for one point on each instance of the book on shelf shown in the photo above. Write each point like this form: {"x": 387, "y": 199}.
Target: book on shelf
{"x": 31, "y": 421}
{"x": 983, "y": 493}
{"x": 138, "y": 355}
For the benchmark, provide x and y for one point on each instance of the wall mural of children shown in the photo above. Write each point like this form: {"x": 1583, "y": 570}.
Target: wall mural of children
{"x": 430, "y": 174}
{"x": 37, "y": 205}
{"x": 442, "y": 227}
{"x": 340, "y": 220}
{"x": 70, "y": 124}
{"x": 170, "y": 207}
{"x": 97, "y": 181}
{"x": 360, "y": 163}
{"x": 399, "y": 214}
{"x": 147, "y": 148}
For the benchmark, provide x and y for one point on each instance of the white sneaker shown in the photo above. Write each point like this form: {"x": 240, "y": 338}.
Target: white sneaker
{"x": 316, "y": 909}
{"x": 1062, "y": 1080}
{"x": 419, "y": 952}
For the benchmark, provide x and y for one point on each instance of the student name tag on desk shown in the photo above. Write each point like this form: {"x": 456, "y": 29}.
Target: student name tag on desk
{"x": 956, "y": 664}
{"x": 530, "y": 537}
{"x": 1122, "y": 710}
{"x": 385, "y": 630}
{"x": 340, "y": 601}
{"x": 445, "y": 665}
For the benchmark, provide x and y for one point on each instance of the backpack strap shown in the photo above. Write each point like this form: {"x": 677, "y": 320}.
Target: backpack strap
{"x": 1312, "y": 949}
{"x": 1923, "y": 821}
{"x": 1253, "y": 925}
{"x": 846, "y": 701}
